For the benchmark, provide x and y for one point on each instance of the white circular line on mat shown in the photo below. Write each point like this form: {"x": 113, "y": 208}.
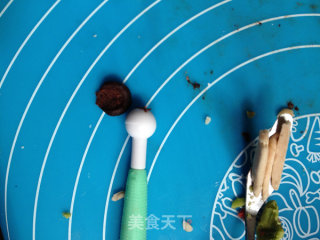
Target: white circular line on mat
{"x": 127, "y": 78}
{"x": 1, "y": 82}
{"x": 170, "y": 34}
{"x": 5, "y": 8}
{"x": 231, "y": 166}
{"x": 26, "y": 41}
{"x": 37, "y": 88}
{"x": 79, "y": 173}
{"x": 70, "y": 101}
{"x": 222, "y": 38}
{"x": 210, "y": 45}
{"x": 212, "y": 84}
{"x": 110, "y": 187}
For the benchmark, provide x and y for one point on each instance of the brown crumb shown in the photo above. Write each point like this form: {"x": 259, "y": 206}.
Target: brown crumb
{"x": 250, "y": 114}
{"x": 145, "y": 109}
{"x": 290, "y": 105}
{"x": 260, "y": 23}
{"x": 313, "y": 6}
{"x": 246, "y": 136}
{"x": 241, "y": 213}
{"x": 195, "y": 85}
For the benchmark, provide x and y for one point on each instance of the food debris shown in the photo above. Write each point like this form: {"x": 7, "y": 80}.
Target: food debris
{"x": 187, "y": 226}
{"x": 22, "y": 147}
{"x": 95, "y": 35}
{"x": 246, "y": 136}
{"x": 211, "y": 72}
{"x": 313, "y": 6}
{"x": 269, "y": 227}
{"x": 207, "y": 120}
{"x": 279, "y": 25}
{"x": 241, "y": 213}
{"x": 238, "y": 203}
{"x": 250, "y": 114}
{"x": 117, "y": 196}
{"x": 290, "y": 105}
{"x": 67, "y": 215}
{"x": 195, "y": 85}
{"x": 203, "y": 97}
{"x": 145, "y": 109}
{"x": 260, "y": 23}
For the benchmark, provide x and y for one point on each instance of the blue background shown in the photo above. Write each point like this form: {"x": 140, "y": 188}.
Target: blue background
{"x": 195, "y": 156}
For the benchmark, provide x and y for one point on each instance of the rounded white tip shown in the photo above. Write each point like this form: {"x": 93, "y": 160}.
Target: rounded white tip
{"x": 140, "y": 123}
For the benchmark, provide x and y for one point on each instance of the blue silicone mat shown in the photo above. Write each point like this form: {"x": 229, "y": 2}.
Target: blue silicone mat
{"x": 59, "y": 152}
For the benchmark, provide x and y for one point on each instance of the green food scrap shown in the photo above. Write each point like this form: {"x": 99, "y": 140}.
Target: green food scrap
{"x": 249, "y": 216}
{"x": 251, "y": 188}
{"x": 237, "y": 203}
{"x": 269, "y": 227}
{"x": 67, "y": 215}
{"x": 250, "y": 114}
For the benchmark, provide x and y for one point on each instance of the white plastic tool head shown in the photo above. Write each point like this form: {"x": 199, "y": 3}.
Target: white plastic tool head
{"x": 140, "y": 125}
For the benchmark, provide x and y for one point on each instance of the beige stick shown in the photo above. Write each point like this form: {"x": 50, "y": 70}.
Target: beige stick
{"x": 260, "y": 162}
{"x": 271, "y": 153}
{"x": 280, "y": 155}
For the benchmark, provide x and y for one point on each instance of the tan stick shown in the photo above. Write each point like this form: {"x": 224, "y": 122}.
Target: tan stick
{"x": 271, "y": 153}
{"x": 280, "y": 155}
{"x": 260, "y": 162}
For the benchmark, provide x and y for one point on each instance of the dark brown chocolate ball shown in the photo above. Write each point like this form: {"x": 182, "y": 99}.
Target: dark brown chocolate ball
{"x": 113, "y": 98}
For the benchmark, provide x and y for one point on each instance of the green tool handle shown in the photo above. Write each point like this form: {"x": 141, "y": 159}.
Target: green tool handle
{"x": 133, "y": 226}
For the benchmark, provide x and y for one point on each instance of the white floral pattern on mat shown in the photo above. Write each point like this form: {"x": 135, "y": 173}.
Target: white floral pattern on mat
{"x": 299, "y": 194}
